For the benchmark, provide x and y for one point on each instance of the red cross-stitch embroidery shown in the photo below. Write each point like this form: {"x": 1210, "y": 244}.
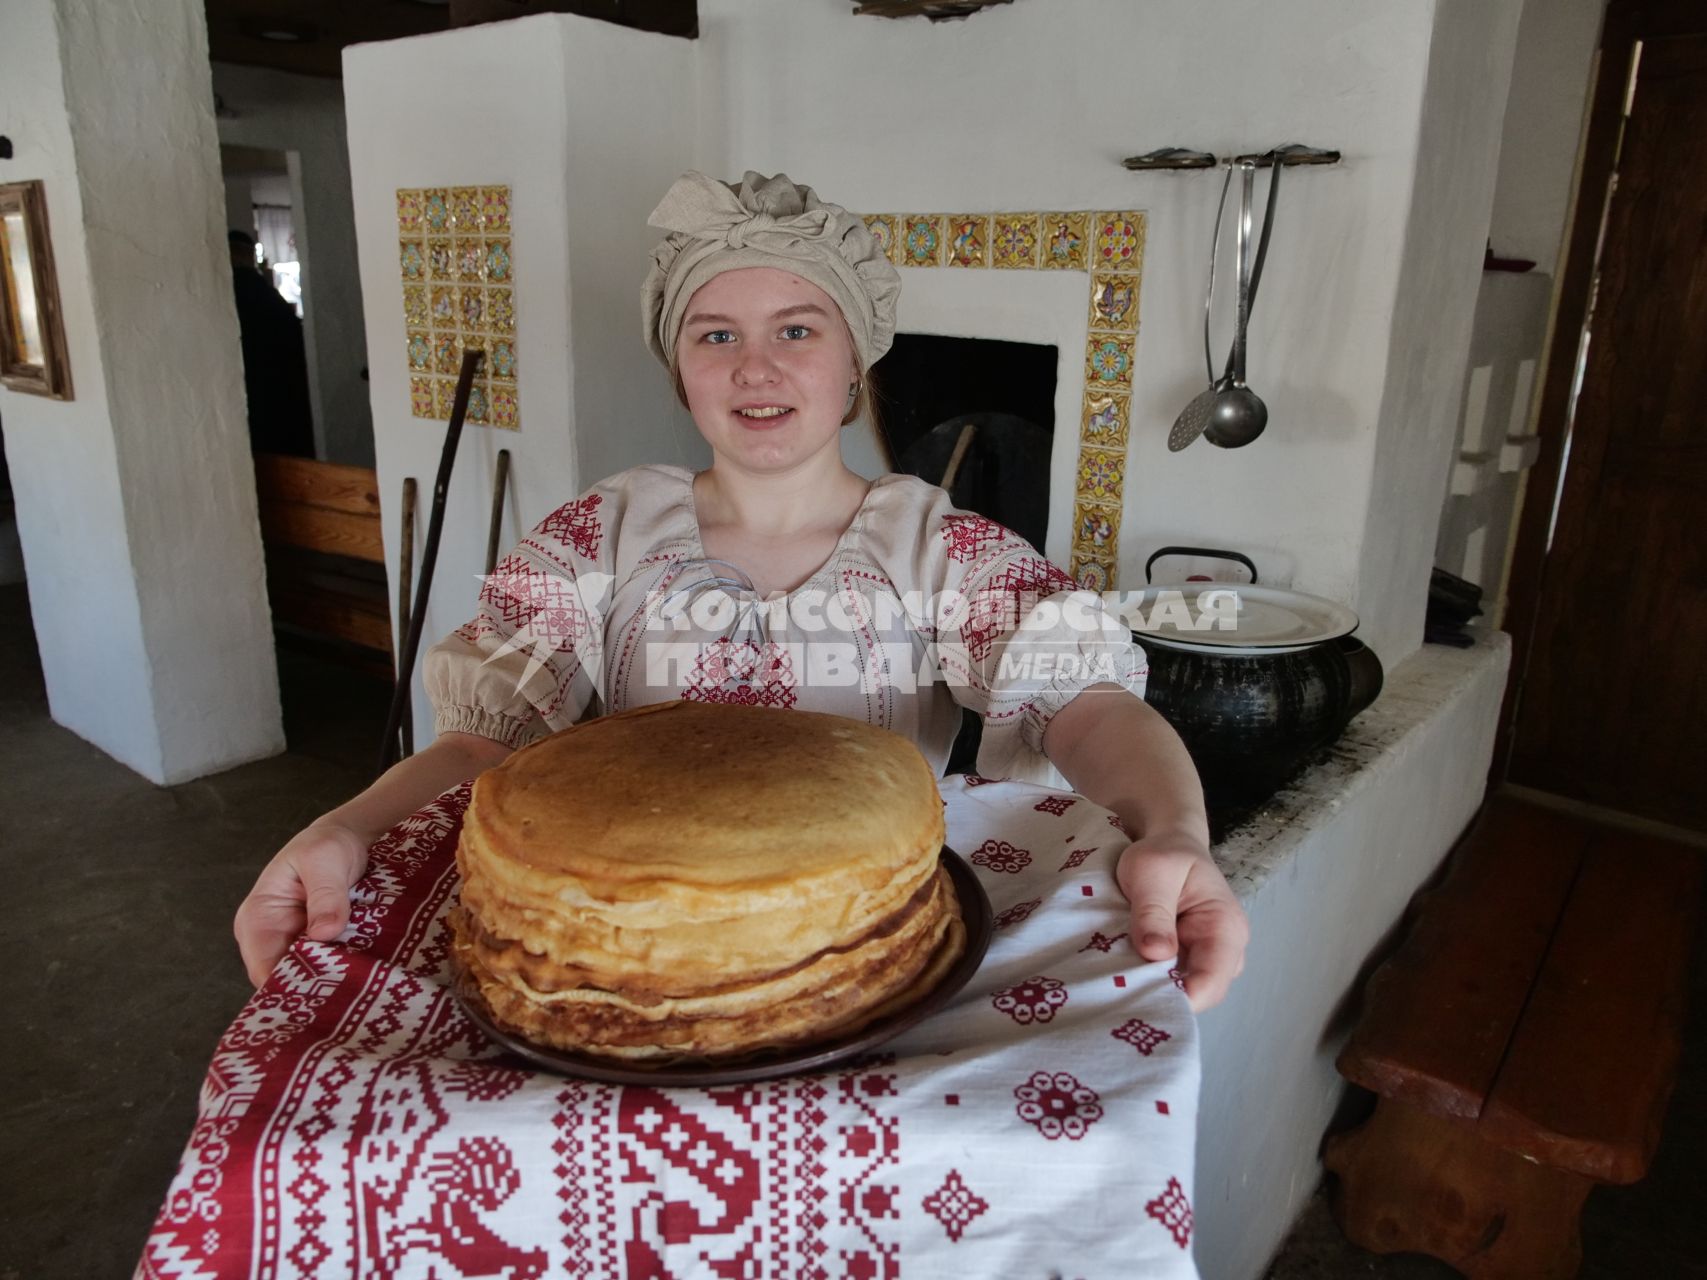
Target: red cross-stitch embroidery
{"x": 1140, "y": 1035}
{"x": 955, "y": 1205}
{"x": 999, "y": 855}
{"x": 738, "y": 672}
{"x": 577, "y": 523}
{"x": 1075, "y": 858}
{"x": 1056, "y": 805}
{"x": 1019, "y": 911}
{"x": 546, "y": 604}
{"x": 1034, "y": 1000}
{"x": 1102, "y": 941}
{"x": 968, "y": 535}
{"x": 1173, "y": 1211}
{"x": 1177, "y": 976}
{"x": 1058, "y": 1105}
{"x": 997, "y": 607}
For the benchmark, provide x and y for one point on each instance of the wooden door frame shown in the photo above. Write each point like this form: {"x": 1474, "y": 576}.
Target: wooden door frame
{"x": 1625, "y": 23}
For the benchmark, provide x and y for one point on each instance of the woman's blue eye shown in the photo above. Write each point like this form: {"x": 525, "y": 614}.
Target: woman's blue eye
{"x": 717, "y": 337}
{"x": 796, "y": 332}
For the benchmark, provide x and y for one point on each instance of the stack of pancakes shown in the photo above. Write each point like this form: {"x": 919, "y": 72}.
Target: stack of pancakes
{"x": 691, "y": 881}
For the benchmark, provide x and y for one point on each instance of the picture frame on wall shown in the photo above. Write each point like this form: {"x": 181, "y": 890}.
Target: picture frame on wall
{"x": 33, "y": 355}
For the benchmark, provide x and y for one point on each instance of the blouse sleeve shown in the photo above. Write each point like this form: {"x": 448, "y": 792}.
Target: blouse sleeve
{"x": 1017, "y": 640}
{"x": 531, "y": 658}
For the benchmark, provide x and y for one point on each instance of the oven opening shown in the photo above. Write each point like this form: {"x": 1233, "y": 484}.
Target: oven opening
{"x": 994, "y": 398}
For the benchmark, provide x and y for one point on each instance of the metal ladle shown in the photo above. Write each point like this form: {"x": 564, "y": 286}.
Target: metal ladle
{"x": 1237, "y": 415}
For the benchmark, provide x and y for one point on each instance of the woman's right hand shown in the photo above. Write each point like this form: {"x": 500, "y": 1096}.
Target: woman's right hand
{"x": 306, "y": 884}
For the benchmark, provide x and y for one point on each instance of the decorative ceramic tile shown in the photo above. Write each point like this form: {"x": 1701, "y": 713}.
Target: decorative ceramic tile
{"x": 921, "y": 242}
{"x": 411, "y": 260}
{"x": 478, "y": 407}
{"x": 470, "y": 260}
{"x": 1093, "y": 573}
{"x": 447, "y": 354}
{"x": 1064, "y": 241}
{"x": 501, "y": 359}
{"x": 471, "y": 308}
{"x": 1114, "y": 301}
{"x": 504, "y": 409}
{"x": 498, "y": 265}
{"x": 495, "y": 210}
{"x": 1013, "y": 240}
{"x": 1108, "y": 360}
{"x": 442, "y": 306}
{"x": 1104, "y": 420}
{"x": 444, "y": 398}
{"x": 968, "y": 240}
{"x": 1100, "y": 474}
{"x": 435, "y": 208}
{"x": 414, "y": 306}
{"x": 1094, "y": 526}
{"x": 1120, "y": 241}
{"x": 421, "y": 397}
{"x": 420, "y": 351}
{"x": 409, "y": 214}
{"x": 883, "y": 232}
{"x": 441, "y": 261}
{"x": 465, "y": 210}
{"x": 500, "y": 311}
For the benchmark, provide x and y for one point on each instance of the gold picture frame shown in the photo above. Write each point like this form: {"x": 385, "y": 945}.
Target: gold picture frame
{"x": 33, "y": 356}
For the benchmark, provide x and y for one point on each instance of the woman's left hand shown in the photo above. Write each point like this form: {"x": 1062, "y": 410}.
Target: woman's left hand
{"x": 1182, "y": 905}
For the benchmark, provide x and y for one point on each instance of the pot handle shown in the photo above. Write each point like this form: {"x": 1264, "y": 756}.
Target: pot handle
{"x": 1198, "y": 551}
{"x": 1366, "y": 673}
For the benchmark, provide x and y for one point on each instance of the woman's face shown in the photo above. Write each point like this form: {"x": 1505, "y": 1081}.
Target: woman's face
{"x": 766, "y": 362}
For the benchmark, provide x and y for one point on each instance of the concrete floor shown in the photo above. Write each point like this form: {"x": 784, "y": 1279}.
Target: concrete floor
{"x": 120, "y": 902}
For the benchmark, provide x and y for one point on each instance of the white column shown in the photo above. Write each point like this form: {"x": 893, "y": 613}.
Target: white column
{"x": 136, "y": 500}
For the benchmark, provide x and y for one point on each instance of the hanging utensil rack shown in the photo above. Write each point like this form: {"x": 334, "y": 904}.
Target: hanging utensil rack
{"x": 1293, "y": 153}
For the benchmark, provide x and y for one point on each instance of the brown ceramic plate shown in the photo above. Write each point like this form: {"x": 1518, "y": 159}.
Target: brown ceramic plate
{"x": 975, "y": 913}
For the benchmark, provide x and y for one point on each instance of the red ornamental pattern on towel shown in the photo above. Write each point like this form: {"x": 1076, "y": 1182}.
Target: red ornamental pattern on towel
{"x": 999, "y": 855}
{"x": 1058, "y": 1105}
{"x": 955, "y": 1205}
{"x": 1034, "y": 1000}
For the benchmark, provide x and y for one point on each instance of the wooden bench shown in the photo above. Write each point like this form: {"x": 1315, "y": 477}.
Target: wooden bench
{"x": 320, "y": 525}
{"x": 1523, "y": 1041}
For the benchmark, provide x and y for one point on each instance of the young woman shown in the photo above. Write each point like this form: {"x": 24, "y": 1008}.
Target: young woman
{"x": 778, "y": 576}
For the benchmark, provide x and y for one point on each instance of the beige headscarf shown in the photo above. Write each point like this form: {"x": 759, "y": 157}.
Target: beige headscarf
{"x": 765, "y": 222}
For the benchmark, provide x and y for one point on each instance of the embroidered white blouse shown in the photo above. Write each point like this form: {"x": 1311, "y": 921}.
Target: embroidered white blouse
{"x": 921, "y": 609}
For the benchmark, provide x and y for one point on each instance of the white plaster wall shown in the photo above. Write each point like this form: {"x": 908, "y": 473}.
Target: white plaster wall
{"x": 1323, "y": 877}
{"x": 1556, "y": 41}
{"x": 1457, "y": 154}
{"x": 1033, "y": 106}
{"x": 304, "y": 115}
{"x": 541, "y": 91}
{"x": 136, "y": 501}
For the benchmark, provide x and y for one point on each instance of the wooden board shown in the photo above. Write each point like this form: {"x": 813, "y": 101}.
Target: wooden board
{"x": 1586, "y": 1080}
{"x": 318, "y": 484}
{"x": 360, "y": 620}
{"x": 1440, "y": 1013}
{"x": 322, "y": 529}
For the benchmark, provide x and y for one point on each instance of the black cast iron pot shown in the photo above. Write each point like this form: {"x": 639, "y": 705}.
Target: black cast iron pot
{"x": 1252, "y": 716}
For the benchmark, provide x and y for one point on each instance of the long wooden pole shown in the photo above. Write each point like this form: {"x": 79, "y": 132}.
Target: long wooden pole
{"x": 429, "y": 556}
{"x": 500, "y": 483}
{"x": 405, "y": 578}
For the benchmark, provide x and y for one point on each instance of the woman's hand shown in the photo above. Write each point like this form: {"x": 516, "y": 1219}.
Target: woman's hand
{"x": 1182, "y": 905}
{"x": 306, "y": 884}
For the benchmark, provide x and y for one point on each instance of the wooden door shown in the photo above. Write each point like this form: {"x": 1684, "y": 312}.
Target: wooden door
{"x": 1612, "y": 707}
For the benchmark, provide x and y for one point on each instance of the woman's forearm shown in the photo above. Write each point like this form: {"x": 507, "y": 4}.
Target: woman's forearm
{"x": 1115, "y": 750}
{"x": 415, "y": 782}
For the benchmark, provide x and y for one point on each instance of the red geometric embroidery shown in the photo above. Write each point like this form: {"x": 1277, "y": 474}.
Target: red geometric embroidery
{"x": 1056, "y": 805}
{"x": 999, "y": 855}
{"x": 999, "y": 605}
{"x": 1173, "y": 1211}
{"x": 973, "y": 780}
{"x": 577, "y": 524}
{"x": 1177, "y": 975}
{"x": 546, "y": 604}
{"x": 1140, "y": 1035}
{"x": 1034, "y": 1000}
{"x": 1058, "y": 1105}
{"x": 954, "y": 1204}
{"x": 1075, "y": 858}
{"x": 1115, "y": 822}
{"x": 1019, "y": 911}
{"x": 1102, "y": 941}
{"x": 967, "y": 535}
{"x": 1162, "y": 1108}
{"x": 479, "y": 1175}
{"x": 738, "y": 673}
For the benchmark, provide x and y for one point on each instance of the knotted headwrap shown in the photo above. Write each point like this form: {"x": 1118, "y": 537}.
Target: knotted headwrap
{"x": 765, "y": 222}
